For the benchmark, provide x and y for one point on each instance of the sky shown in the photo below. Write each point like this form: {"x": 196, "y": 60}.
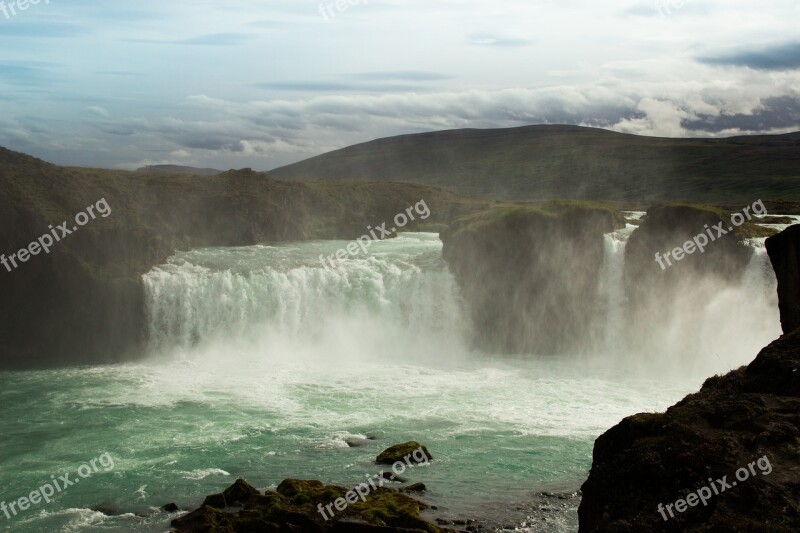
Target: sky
{"x": 264, "y": 83}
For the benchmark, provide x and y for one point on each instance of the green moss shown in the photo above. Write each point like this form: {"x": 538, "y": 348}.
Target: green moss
{"x": 386, "y": 507}
{"x": 293, "y": 487}
{"x": 296, "y": 503}
{"x": 749, "y": 230}
{"x": 553, "y": 210}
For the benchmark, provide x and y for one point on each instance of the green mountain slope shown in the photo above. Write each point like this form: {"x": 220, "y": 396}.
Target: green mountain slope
{"x": 550, "y": 162}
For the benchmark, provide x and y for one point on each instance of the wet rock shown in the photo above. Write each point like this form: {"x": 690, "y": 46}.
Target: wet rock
{"x": 389, "y": 476}
{"x": 298, "y": 505}
{"x": 108, "y": 509}
{"x": 530, "y": 273}
{"x": 784, "y": 252}
{"x": 734, "y": 420}
{"x": 356, "y": 442}
{"x": 170, "y": 508}
{"x": 416, "y": 487}
{"x": 239, "y": 493}
{"x": 413, "y": 450}
{"x": 215, "y": 500}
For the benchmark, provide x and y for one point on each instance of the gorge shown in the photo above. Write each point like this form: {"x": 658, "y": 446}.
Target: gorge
{"x": 245, "y": 357}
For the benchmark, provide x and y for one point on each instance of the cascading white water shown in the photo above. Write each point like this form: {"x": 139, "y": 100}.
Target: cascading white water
{"x": 612, "y": 288}
{"x": 401, "y": 302}
{"x": 401, "y": 297}
{"x": 714, "y": 328}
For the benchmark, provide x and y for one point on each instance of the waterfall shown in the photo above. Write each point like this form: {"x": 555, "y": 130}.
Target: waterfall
{"x": 612, "y": 288}
{"x": 400, "y": 302}
{"x": 281, "y": 299}
{"x": 712, "y": 327}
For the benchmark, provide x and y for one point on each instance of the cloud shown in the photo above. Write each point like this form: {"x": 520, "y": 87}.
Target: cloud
{"x": 774, "y": 113}
{"x": 40, "y": 30}
{"x": 218, "y": 39}
{"x": 17, "y": 74}
{"x": 211, "y": 39}
{"x": 403, "y": 75}
{"x": 331, "y": 87}
{"x": 281, "y": 84}
{"x": 98, "y": 111}
{"x": 486, "y": 39}
{"x": 776, "y": 57}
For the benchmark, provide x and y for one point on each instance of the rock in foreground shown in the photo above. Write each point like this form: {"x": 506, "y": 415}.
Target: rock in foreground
{"x": 295, "y": 506}
{"x": 734, "y": 421}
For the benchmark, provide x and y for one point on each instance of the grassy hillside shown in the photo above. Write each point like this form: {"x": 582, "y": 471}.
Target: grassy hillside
{"x": 177, "y": 169}
{"x": 552, "y": 162}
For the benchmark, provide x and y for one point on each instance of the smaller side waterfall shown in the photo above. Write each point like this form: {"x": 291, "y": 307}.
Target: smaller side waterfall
{"x": 704, "y": 328}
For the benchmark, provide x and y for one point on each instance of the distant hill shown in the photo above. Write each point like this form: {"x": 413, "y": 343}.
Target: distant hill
{"x": 550, "y": 162}
{"x": 176, "y": 169}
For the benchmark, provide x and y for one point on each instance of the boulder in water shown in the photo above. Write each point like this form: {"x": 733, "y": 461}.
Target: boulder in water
{"x": 416, "y": 487}
{"x": 411, "y": 452}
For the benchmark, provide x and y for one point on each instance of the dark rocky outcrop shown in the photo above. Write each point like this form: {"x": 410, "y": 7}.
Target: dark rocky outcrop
{"x": 668, "y": 227}
{"x": 529, "y": 274}
{"x": 652, "y": 459}
{"x": 751, "y": 414}
{"x": 296, "y": 504}
{"x": 83, "y": 303}
{"x": 412, "y": 452}
{"x": 659, "y": 288}
{"x": 784, "y": 252}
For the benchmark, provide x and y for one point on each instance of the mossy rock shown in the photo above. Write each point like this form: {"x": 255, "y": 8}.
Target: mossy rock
{"x": 293, "y": 487}
{"x": 388, "y": 507}
{"x": 512, "y": 216}
{"x": 530, "y": 274}
{"x": 399, "y": 453}
{"x": 295, "y": 507}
